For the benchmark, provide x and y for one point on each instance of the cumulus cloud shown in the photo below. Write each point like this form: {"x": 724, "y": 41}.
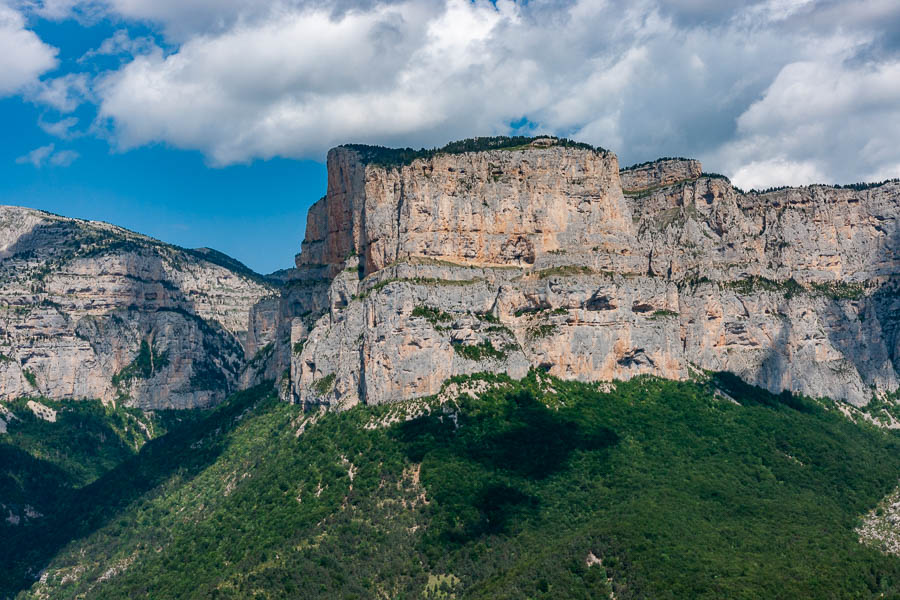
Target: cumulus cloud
{"x": 48, "y": 155}
{"x": 776, "y": 171}
{"x": 768, "y": 91}
{"x": 63, "y": 93}
{"x": 23, "y": 56}
{"x": 834, "y": 121}
{"x": 296, "y": 85}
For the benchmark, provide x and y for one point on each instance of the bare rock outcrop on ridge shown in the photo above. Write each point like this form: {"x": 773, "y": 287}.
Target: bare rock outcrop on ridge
{"x": 418, "y": 266}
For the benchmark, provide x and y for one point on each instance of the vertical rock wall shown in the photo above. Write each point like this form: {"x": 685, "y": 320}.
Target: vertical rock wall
{"x": 538, "y": 258}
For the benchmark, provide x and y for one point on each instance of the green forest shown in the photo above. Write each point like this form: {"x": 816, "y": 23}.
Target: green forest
{"x": 398, "y": 157}
{"x": 537, "y": 488}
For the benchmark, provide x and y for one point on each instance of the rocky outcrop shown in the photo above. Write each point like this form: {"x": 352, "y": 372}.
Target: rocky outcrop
{"x": 88, "y": 310}
{"x": 551, "y": 258}
{"x": 658, "y": 173}
{"x": 417, "y": 267}
{"x": 501, "y": 208}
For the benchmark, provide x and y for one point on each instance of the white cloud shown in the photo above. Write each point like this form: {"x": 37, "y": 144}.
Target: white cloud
{"x": 63, "y": 158}
{"x": 61, "y": 129}
{"x": 836, "y": 122}
{"x": 776, "y": 172}
{"x": 63, "y": 93}
{"x": 23, "y": 56}
{"x": 48, "y": 155}
{"x": 297, "y": 85}
{"x": 120, "y": 43}
{"x": 768, "y": 91}
{"x": 416, "y": 73}
{"x": 36, "y": 157}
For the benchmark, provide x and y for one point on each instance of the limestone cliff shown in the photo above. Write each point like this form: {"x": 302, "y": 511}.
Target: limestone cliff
{"x": 548, "y": 256}
{"x": 487, "y": 208}
{"x": 89, "y": 310}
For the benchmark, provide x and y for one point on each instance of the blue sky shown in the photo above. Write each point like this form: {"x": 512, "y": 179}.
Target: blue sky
{"x": 255, "y": 212}
{"x": 206, "y": 122}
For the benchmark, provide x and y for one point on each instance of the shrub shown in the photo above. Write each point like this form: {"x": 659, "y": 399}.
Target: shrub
{"x": 479, "y": 351}
{"x": 541, "y": 331}
{"x": 398, "y": 157}
{"x": 840, "y": 290}
{"x": 432, "y": 315}
{"x": 30, "y": 378}
{"x": 755, "y": 283}
{"x": 147, "y": 363}
{"x": 325, "y": 384}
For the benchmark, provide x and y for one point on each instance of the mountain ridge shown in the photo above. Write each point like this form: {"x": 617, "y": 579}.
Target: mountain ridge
{"x": 511, "y": 373}
{"x": 82, "y": 299}
{"x": 593, "y": 273}
{"x": 596, "y": 271}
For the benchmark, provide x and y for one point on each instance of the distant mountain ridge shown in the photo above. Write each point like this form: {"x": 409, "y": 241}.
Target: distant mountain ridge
{"x": 91, "y": 310}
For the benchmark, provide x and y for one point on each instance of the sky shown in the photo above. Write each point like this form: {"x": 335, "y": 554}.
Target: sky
{"x": 206, "y": 122}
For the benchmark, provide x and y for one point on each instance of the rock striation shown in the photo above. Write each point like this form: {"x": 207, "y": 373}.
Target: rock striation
{"x": 89, "y": 310}
{"x": 548, "y": 256}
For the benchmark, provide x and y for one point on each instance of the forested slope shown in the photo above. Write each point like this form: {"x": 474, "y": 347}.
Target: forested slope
{"x": 536, "y": 488}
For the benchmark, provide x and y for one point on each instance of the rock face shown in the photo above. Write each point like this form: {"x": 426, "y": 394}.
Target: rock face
{"x": 486, "y": 208}
{"x": 551, "y": 258}
{"x": 665, "y": 171}
{"x": 88, "y": 310}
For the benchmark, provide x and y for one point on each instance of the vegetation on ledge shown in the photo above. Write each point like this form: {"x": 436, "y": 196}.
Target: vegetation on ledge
{"x": 325, "y": 384}
{"x": 144, "y": 366}
{"x": 840, "y": 290}
{"x": 647, "y": 163}
{"x": 398, "y": 157}
{"x": 30, "y": 377}
{"x": 755, "y": 283}
{"x": 480, "y": 351}
{"x": 434, "y": 316}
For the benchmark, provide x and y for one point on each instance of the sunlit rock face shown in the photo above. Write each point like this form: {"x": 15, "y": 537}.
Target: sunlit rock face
{"x": 88, "y": 310}
{"x": 551, "y": 257}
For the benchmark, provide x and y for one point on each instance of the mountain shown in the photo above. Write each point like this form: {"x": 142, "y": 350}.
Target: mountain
{"x": 545, "y": 254}
{"x": 488, "y": 255}
{"x": 505, "y": 368}
{"x": 93, "y": 311}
